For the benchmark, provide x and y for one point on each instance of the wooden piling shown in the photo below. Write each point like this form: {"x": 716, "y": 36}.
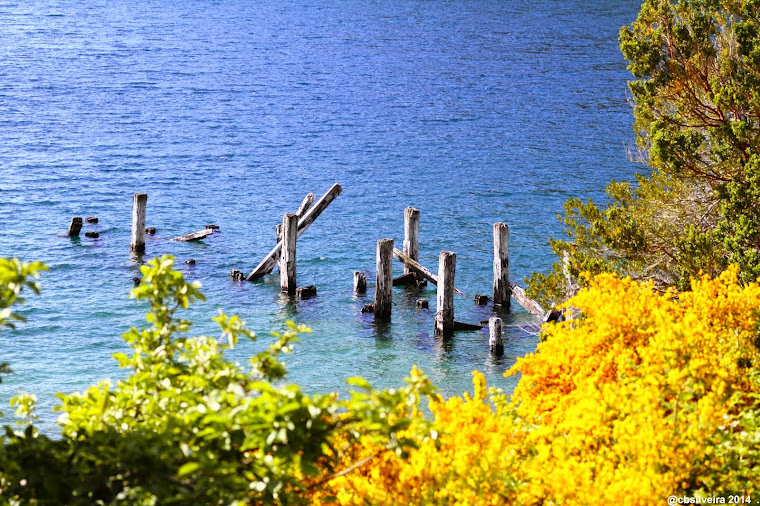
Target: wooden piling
{"x": 139, "y": 202}
{"x": 444, "y": 315}
{"x": 495, "y": 342}
{"x": 411, "y": 236}
{"x": 501, "y": 287}
{"x": 384, "y": 279}
{"x": 74, "y": 227}
{"x": 288, "y": 255}
{"x": 360, "y": 283}
{"x": 270, "y": 261}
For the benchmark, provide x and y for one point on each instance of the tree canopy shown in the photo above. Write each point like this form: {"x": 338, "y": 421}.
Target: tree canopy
{"x": 696, "y": 97}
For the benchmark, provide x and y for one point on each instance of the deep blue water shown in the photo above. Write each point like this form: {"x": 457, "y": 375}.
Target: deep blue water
{"x": 229, "y": 112}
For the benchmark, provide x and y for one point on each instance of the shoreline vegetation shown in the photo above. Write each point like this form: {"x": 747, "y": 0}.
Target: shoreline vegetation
{"x": 649, "y": 393}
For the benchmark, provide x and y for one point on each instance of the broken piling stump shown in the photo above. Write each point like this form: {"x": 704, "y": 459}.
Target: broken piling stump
{"x": 306, "y": 292}
{"x": 288, "y": 256}
{"x": 195, "y": 236}
{"x": 368, "y": 308}
{"x": 495, "y": 342}
{"x": 74, "y": 227}
{"x": 481, "y": 299}
{"x": 501, "y": 286}
{"x": 139, "y": 202}
{"x": 91, "y": 219}
{"x": 384, "y": 279}
{"x": 150, "y": 230}
{"x": 92, "y": 235}
{"x": 269, "y": 262}
{"x": 212, "y": 227}
{"x": 190, "y": 261}
{"x": 360, "y": 283}
{"x": 237, "y": 275}
{"x": 422, "y": 304}
{"x": 444, "y": 314}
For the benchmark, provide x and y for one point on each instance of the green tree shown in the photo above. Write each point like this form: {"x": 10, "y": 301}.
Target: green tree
{"x": 696, "y": 95}
{"x": 15, "y": 276}
{"x": 188, "y": 426}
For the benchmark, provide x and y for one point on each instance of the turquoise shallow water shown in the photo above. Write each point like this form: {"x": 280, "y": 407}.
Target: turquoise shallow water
{"x": 230, "y": 112}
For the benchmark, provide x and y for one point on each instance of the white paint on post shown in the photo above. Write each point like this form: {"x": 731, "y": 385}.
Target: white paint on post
{"x": 384, "y": 279}
{"x": 411, "y": 236}
{"x": 495, "y": 342}
{"x": 444, "y": 315}
{"x": 288, "y": 256}
{"x": 501, "y": 287}
{"x": 139, "y": 203}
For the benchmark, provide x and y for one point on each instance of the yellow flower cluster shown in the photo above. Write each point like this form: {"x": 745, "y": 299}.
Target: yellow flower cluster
{"x": 637, "y": 400}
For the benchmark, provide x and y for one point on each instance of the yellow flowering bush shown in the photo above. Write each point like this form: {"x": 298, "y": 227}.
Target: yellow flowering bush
{"x": 648, "y": 394}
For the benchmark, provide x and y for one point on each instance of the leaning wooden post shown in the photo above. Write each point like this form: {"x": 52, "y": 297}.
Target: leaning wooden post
{"x": 501, "y": 287}
{"x": 411, "y": 235}
{"x": 139, "y": 202}
{"x": 384, "y": 279}
{"x": 288, "y": 256}
{"x": 495, "y": 342}
{"x": 444, "y": 315}
{"x": 360, "y": 283}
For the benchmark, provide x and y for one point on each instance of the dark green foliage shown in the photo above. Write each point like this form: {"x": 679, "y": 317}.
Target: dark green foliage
{"x": 187, "y": 426}
{"x": 696, "y": 95}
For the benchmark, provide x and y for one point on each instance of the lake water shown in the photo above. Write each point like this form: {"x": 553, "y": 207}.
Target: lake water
{"x": 229, "y": 112}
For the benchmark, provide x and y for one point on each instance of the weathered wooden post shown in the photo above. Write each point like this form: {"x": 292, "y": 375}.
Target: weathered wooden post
{"x": 384, "y": 279}
{"x": 495, "y": 342}
{"x": 411, "y": 235}
{"x": 444, "y": 314}
{"x": 288, "y": 256}
{"x": 139, "y": 203}
{"x": 360, "y": 283}
{"x": 501, "y": 286}
{"x": 75, "y": 227}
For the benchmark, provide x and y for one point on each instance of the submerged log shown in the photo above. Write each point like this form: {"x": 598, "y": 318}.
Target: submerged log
{"x": 405, "y": 279}
{"x": 466, "y": 326}
{"x": 418, "y": 268}
{"x": 195, "y": 236}
{"x": 269, "y": 262}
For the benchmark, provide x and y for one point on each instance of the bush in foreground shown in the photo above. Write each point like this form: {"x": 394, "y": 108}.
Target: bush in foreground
{"x": 649, "y": 394}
